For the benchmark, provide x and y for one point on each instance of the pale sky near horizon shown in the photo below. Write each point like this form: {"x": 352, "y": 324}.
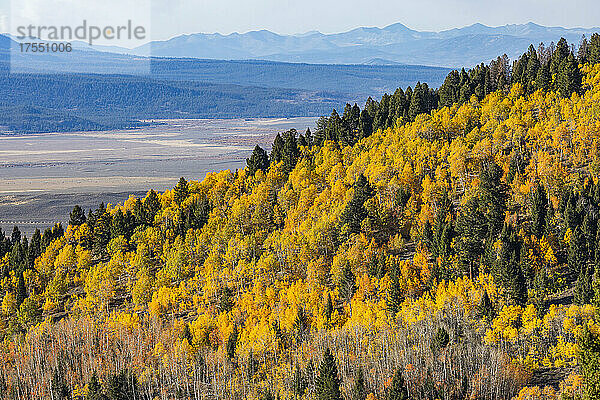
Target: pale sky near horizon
{"x": 175, "y": 17}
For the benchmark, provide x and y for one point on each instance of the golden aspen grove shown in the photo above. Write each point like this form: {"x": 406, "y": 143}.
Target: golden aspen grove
{"x": 448, "y": 254}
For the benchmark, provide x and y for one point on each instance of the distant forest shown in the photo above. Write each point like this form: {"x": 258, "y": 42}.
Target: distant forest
{"x": 555, "y": 68}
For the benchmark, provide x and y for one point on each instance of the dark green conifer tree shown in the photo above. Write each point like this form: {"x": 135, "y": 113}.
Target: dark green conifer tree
{"x": 94, "y": 389}
{"x": 21, "y": 290}
{"x": 594, "y": 49}
{"x": 397, "y": 389}
{"x": 259, "y": 160}
{"x": 355, "y": 211}
{"x": 538, "y": 209}
{"x": 328, "y": 307}
{"x": 299, "y": 383}
{"x": 327, "y": 385}
{"x": 347, "y": 285}
{"x": 232, "y": 343}
{"x": 181, "y": 191}
{"x": 359, "y": 389}
{"x": 589, "y": 361}
{"x": 77, "y": 216}
{"x": 542, "y": 79}
{"x": 151, "y": 206}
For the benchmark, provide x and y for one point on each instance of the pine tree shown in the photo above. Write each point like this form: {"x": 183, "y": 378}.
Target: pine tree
{"x": 366, "y": 124}
{"x": 101, "y": 235}
{"x": 397, "y": 389}
{"x": 486, "y": 307}
{"x": 309, "y": 138}
{"x": 589, "y": 362}
{"x": 181, "y": 191}
{"x": 77, "y": 216}
{"x": 355, "y": 211}
{"x": 583, "y": 51}
{"x": 232, "y": 343}
{"x": 539, "y": 208}
{"x": 347, "y": 285}
{"x": 440, "y": 340}
{"x": 493, "y": 196}
{"x": 299, "y": 382}
{"x": 560, "y": 54}
{"x": 21, "y": 290}
{"x": 533, "y": 66}
{"x": 327, "y": 385}
{"x": 258, "y": 161}
{"x": 122, "y": 386}
{"x": 542, "y": 79}
{"x": 328, "y": 307}
{"x": 594, "y": 49}
{"x": 334, "y": 128}
{"x": 577, "y": 257}
{"x": 471, "y": 229}
{"x": 359, "y": 389}
{"x": 568, "y": 78}
{"x": 395, "y": 297}
{"x": 508, "y": 266}
{"x": 118, "y": 226}
{"x": 291, "y": 152}
{"x": 94, "y": 389}
{"x": 450, "y": 89}
{"x": 16, "y": 236}
{"x": 35, "y": 248}
{"x": 584, "y": 292}
{"x": 418, "y": 102}
{"x": 59, "y": 389}
{"x": 151, "y": 206}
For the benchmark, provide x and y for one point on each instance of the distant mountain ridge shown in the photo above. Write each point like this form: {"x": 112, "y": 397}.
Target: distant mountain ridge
{"x": 389, "y": 45}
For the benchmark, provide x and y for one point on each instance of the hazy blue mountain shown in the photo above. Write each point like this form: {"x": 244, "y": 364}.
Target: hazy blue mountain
{"x": 355, "y": 82}
{"x": 394, "y": 44}
{"x": 53, "y": 96}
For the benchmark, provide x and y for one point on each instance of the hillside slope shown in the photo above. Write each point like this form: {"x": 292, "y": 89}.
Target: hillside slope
{"x": 428, "y": 258}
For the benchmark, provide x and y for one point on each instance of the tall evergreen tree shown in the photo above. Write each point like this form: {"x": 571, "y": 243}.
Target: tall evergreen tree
{"x": 181, "y": 191}
{"x": 539, "y": 209}
{"x": 359, "y": 389}
{"x": 450, "y": 89}
{"x": 327, "y": 385}
{"x": 508, "y": 266}
{"x": 21, "y": 290}
{"x": 291, "y": 152}
{"x": 328, "y": 307}
{"x": 395, "y": 296}
{"x": 577, "y": 257}
{"x": 232, "y": 343}
{"x": 77, "y": 216}
{"x": 259, "y": 160}
{"x": 397, "y": 389}
{"x": 493, "y": 196}
{"x": 151, "y": 206}
{"x": 543, "y": 78}
{"x": 94, "y": 389}
{"x": 594, "y": 49}
{"x": 299, "y": 382}
{"x": 355, "y": 211}
{"x": 347, "y": 285}
{"x": 101, "y": 234}
{"x": 589, "y": 361}
{"x": 568, "y": 78}
{"x": 16, "y": 236}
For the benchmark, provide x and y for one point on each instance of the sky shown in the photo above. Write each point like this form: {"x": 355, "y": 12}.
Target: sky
{"x": 168, "y": 18}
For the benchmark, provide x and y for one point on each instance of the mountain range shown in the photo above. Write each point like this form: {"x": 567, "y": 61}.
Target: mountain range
{"x": 367, "y": 45}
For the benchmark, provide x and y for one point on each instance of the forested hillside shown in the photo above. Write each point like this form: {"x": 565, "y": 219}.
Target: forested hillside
{"x": 442, "y": 248}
